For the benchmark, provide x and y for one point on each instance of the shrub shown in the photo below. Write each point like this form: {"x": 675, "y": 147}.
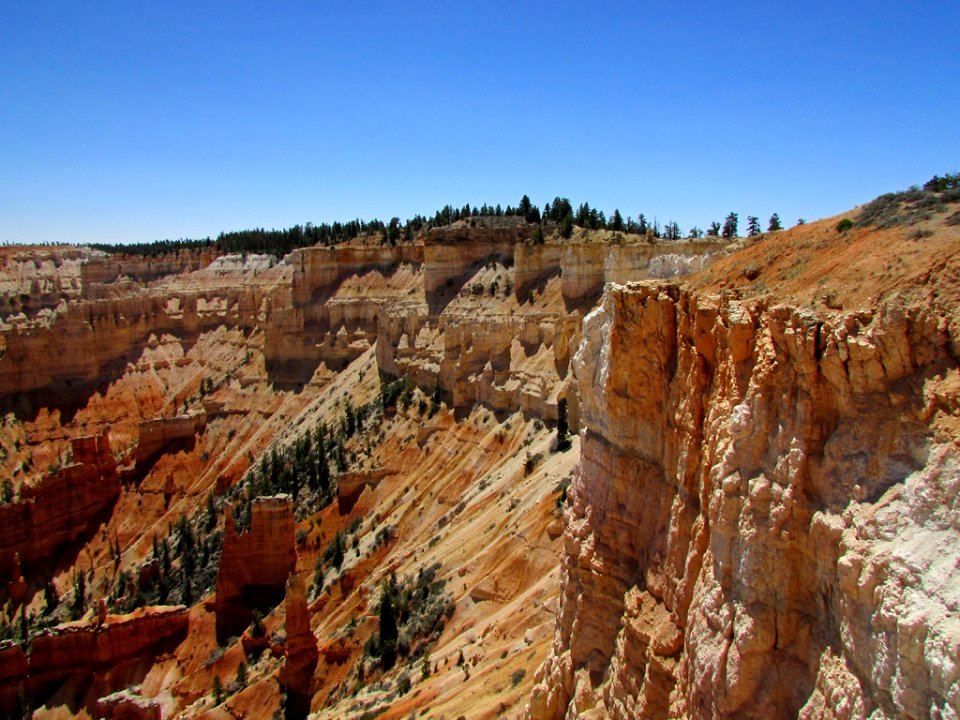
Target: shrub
{"x": 844, "y": 225}
{"x": 517, "y": 677}
{"x": 531, "y": 462}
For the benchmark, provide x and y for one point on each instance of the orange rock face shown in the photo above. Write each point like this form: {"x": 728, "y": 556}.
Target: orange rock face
{"x": 301, "y": 652}
{"x": 254, "y": 564}
{"x": 97, "y": 656}
{"x": 61, "y": 507}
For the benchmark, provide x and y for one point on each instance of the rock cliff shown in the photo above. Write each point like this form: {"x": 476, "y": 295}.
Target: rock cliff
{"x": 760, "y": 514}
{"x": 301, "y": 655}
{"x": 254, "y": 564}
{"x": 72, "y": 659}
{"x": 59, "y": 508}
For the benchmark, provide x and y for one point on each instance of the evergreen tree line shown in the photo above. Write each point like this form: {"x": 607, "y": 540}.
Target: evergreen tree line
{"x": 560, "y": 213}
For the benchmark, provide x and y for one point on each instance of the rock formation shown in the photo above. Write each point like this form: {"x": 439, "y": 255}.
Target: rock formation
{"x": 61, "y": 507}
{"x": 757, "y": 518}
{"x": 88, "y": 655}
{"x": 254, "y": 564}
{"x": 756, "y": 502}
{"x": 302, "y": 654}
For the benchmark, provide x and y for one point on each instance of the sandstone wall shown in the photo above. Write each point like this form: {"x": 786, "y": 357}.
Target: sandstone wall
{"x": 33, "y": 279}
{"x": 318, "y": 269}
{"x": 301, "y": 654}
{"x": 532, "y": 263}
{"x": 156, "y": 434}
{"x": 763, "y": 521}
{"x": 89, "y": 652}
{"x": 586, "y": 267}
{"x": 80, "y": 345}
{"x": 60, "y": 507}
{"x": 451, "y": 252}
{"x": 254, "y": 564}
{"x": 111, "y": 268}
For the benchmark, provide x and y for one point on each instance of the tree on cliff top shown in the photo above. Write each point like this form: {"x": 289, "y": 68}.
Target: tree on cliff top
{"x": 730, "y": 226}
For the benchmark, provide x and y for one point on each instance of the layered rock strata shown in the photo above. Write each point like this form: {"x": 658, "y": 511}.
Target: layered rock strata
{"x": 105, "y": 269}
{"x": 89, "y": 655}
{"x": 764, "y": 521}
{"x": 60, "y": 507}
{"x": 95, "y": 339}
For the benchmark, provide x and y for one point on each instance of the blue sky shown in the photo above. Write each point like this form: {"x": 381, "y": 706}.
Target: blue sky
{"x": 141, "y": 121}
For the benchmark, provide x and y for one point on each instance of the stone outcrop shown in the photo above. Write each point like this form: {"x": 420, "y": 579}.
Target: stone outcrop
{"x": 14, "y": 667}
{"x": 128, "y": 705}
{"x": 95, "y": 339}
{"x": 587, "y": 267}
{"x": 93, "y": 655}
{"x": 34, "y": 279}
{"x": 112, "y": 268}
{"x": 350, "y": 485}
{"x": 301, "y": 655}
{"x": 452, "y": 251}
{"x": 762, "y": 522}
{"x": 534, "y": 263}
{"x": 159, "y": 433}
{"x": 60, "y": 507}
{"x": 318, "y": 270}
{"x": 323, "y": 322}
{"x": 254, "y": 564}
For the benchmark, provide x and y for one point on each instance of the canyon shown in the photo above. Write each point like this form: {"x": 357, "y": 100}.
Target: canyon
{"x": 227, "y": 475}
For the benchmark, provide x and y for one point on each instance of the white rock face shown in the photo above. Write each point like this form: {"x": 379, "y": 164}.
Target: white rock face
{"x": 243, "y": 263}
{"x": 765, "y": 520}
{"x": 674, "y": 265}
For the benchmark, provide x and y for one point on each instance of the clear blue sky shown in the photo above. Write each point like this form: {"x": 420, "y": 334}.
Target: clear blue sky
{"x": 136, "y": 121}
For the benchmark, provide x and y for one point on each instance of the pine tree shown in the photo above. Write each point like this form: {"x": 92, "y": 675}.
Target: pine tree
{"x": 616, "y": 222}
{"x": 753, "y": 226}
{"x": 563, "y": 429}
{"x": 774, "y": 223}
{"x": 338, "y": 550}
{"x": 211, "y": 514}
{"x": 79, "y": 594}
{"x": 50, "y": 597}
{"x": 388, "y": 629}
{"x": 730, "y": 226}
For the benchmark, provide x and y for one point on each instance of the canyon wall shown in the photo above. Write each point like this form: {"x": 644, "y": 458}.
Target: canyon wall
{"x": 33, "y": 279}
{"x": 59, "y": 508}
{"x": 104, "y": 653}
{"x": 764, "y": 520}
{"x": 104, "y": 269}
{"x": 96, "y": 338}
